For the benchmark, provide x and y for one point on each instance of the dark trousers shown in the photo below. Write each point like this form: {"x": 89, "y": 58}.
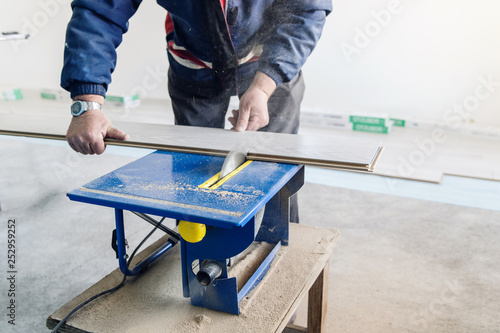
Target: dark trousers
{"x": 197, "y": 106}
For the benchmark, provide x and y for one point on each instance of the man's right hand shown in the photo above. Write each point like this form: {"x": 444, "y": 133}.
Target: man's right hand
{"x": 86, "y": 133}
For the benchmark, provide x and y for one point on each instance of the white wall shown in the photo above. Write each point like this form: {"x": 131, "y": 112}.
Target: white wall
{"x": 425, "y": 59}
{"x": 37, "y": 62}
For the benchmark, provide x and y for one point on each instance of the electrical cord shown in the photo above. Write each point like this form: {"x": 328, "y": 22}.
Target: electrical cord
{"x": 111, "y": 290}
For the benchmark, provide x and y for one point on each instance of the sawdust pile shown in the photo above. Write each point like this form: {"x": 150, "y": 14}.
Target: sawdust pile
{"x": 153, "y": 302}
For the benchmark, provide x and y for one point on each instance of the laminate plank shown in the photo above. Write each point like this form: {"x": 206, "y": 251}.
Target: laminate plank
{"x": 452, "y": 154}
{"x": 316, "y": 149}
{"x": 413, "y": 154}
{"x": 339, "y": 153}
{"x": 396, "y": 163}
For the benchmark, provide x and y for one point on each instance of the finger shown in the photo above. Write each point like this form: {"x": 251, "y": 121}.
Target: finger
{"x": 115, "y": 133}
{"x": 242, "y": 123}
{"x": 87, "y": 145}
{"x": 86, "y": 148}
{"x": 72, "y": 146}
{"x": 90, "y": 149}
{"x": 254, "y": 123}
{"x": 76, "y": 146}
{"x": 73, "y": 142}
{"x": 98, "y": 147}
{"x": 81, "y": 150}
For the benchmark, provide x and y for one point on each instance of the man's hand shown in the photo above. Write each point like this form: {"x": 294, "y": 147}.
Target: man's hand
{"x": 86, "y": 133}
{"x": 253, "y": 114}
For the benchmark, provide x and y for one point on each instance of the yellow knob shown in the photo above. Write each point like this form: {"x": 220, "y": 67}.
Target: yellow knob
{"x": 192, "y": 232}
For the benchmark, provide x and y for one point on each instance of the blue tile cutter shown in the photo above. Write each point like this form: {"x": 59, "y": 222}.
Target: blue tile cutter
{"x": 217, "y": 214}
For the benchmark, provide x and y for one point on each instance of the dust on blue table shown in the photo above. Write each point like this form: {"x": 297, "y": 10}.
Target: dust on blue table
{"x": 166, "y": 184}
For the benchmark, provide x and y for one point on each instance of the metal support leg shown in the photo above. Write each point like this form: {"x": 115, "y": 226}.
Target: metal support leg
{"x": 122, "y": 252}
{"x": 274, "y": 227}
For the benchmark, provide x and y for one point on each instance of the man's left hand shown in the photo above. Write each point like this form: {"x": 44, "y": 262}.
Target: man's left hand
{"x": 253, "y": 113}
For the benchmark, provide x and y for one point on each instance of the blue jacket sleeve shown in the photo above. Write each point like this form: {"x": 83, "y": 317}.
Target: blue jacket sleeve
{"x": 292, "y": 38}
{"x": 92, "y": 36}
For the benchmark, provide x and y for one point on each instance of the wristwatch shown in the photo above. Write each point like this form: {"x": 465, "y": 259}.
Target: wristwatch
{"x": 79, "y": 107}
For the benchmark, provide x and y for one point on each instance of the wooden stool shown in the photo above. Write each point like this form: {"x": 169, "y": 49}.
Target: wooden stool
{"x": 153, "y": 301}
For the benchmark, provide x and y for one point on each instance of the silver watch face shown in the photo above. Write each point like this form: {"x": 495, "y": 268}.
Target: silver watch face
{"x": 76, "y": 108}
{"x": 79, "y": 107}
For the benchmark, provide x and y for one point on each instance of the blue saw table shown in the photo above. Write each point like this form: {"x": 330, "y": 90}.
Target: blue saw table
{"x": 186, "y": 187}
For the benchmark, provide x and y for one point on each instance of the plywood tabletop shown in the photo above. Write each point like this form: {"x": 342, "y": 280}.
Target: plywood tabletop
{"x": 153, "y": 302}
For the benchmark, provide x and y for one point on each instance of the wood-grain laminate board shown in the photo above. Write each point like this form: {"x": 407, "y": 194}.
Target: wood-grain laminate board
{"x": 396, "y": 164}
{"x": 408, "y": 153}
{"x": 412, "y": 154}
{"x": 334, "y": 152}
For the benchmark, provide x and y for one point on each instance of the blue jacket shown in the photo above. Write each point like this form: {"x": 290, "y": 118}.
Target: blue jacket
{"x": 272, "y": 36}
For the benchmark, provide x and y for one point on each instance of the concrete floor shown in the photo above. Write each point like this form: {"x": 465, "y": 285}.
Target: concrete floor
{"x": 401, "y": 265}
{"x": 406, "y": 265}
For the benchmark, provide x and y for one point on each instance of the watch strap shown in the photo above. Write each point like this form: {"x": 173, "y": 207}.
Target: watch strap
{"x": 79, "y": 107}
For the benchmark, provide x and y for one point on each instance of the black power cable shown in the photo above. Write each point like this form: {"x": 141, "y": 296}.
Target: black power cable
{"x": 111, "y": 290}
